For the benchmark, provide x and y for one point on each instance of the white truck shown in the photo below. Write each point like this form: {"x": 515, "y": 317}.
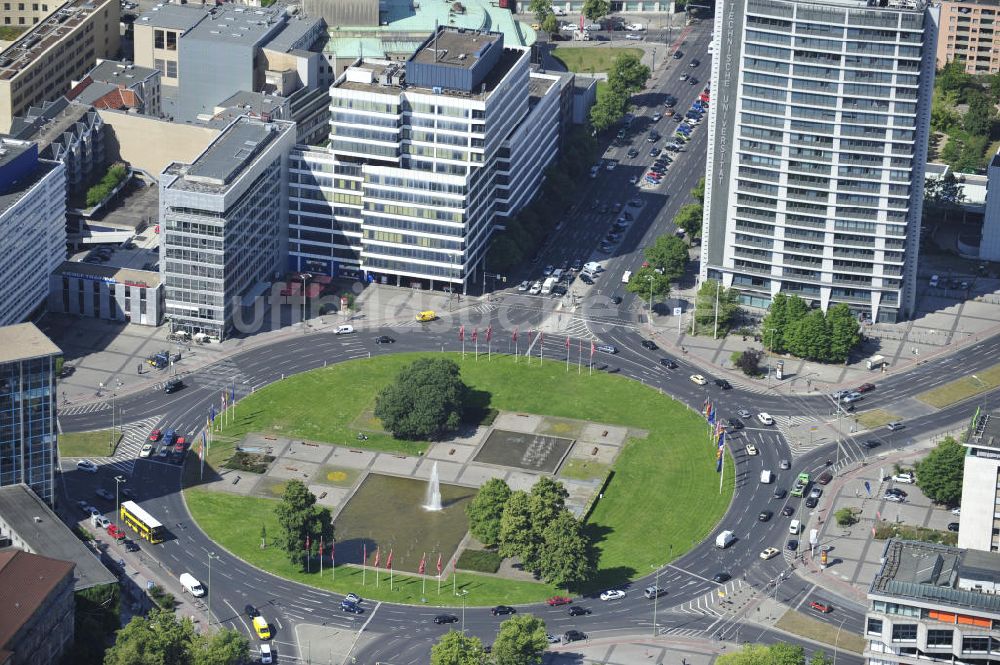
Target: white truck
{"x": 548, "y": 284}
{"x": 725, "y": 539}
{"x": 766, "y": 477}
{"x": 192, "y": 585}
{"x": 875, "y": 362}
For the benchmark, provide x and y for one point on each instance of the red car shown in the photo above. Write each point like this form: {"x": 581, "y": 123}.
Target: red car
{"x": 155, "y": 435}
{"x": 115, "y": 532}
{"x": 559, "y": 600}
{"x": 865, "y": 387}
{"x": 180, "y": 446}
{"x": 820, "y": 607}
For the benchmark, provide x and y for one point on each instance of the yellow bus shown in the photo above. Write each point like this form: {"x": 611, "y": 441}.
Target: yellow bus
{"x": 142, "y": 522}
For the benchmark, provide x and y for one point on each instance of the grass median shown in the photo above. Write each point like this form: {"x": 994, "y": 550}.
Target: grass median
{"x": 97, "y": 443}
{"x": 963, "y": 388}
{"x": 589, "y": 60}
{"x": 804, "y": 626}
{"x": 664, "y": 496}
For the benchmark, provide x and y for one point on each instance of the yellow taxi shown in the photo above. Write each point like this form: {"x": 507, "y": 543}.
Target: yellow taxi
{"x": 428, "y": 315}
{"x": 262, "y": 629}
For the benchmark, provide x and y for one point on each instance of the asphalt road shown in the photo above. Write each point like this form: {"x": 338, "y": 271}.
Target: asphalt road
{"x": 406, "y": 633}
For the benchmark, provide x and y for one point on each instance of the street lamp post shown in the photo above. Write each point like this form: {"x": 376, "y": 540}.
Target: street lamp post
{"x": 211, "y": 555}
{"x": 656, "y": 595}
{"x": 465, "y": 592}
{"x": 836, "y": 643}
{"x": 118, "y": 504}
{"x": 305, "y": 276}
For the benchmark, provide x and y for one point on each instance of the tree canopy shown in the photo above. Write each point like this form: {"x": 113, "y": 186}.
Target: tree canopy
{"x": 160, "y": 638}
{"x": 521, "y": 641}
{"x": 424, "y": 402}
{"x": 595, "y": 9}
{"x": 486, "y": 510}
{"x": 628, "y": 75}
{"x": 302, "y": 522}
{"x": 940, "y": 474}
{"x": 670, "y": 255}
{"x": 689, "y": 218}
{"x": 540, "y": 8}
{"x": 712, "y": 297}
{"x": 790, "y": 326}
{"x": 646, "y": 281}
{"x": 454, "y": 648}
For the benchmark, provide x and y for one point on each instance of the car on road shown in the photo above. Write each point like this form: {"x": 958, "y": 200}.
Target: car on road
{"x": 792, "y": 545}
{"x": 552, "y": 639}
{"x": 751, "y": 449}
{"x": 668, "y": 363}
{"x": 816, "y": 493}
{"x": 347, "y": 330}
{"x": 685, "y": 76}
{"x": 104, "y": 494}
{"x": 764, "y": 516}
{"x": 585, "y": 278}
{"x": 678, "y": 55}
{"x": 956, "y": 511}
{"x": 535, "y": 289}
{"x": 101, "y": 522}
{"x": 573, "y": 636}
{"x": 445, "y": 619}
{"x": 577, "y": 611}
{"x": 427, "y": 315}
{"x": 654, "y": 152}
{"x": 894, "y": 427}
{"x": 384, "y": 339}
{"x": 500, "y": 610}
{"x": 524, "y": 286}
{"x": 116, "y": 532}
{"x": 130, "y": 545}
{"x": 607, "y": 348}
{"x": 722, "y": 383}
{"x": 721, "y": 578}
{"x": 894, "y": 498}
{"x": 871, "y": 443}
{"x": 692, "y": 81}
{"x": 765, "y": 418}
{"x": 779, "y": 493}
{"x": 86, "y": 465}
{"x": 348, "y": 606}
{"x": 612, "y": 594}
{"x": 173, "y": 385}
{"x": 155, "y": 435}
{"x": 694, "y": 62}
{"x": 146, "y": 451}
{"x": 865, "y": 387}
{"x": 734, "y": 424}
{"x": 769, "y": 553}
{"x": 822, "y": 608}
{"x": 633, "y": 37}
{"x": 784, "y": 464}
{"x": 699, "y": 379}
{"x": 812, "y": 502}
{"x": 953, "y": 526}
{"x": 657, "y": 117}
{"x": 649, "y": 344}
{"x": 851, "y": 398}
{"x": 788, "y": 511}
{"x": 251, "y": 611}
{"x": 632, "y": 153}
{"x": 559, "y": 600}
{"x": 266, "y": 656}
{"x": 905, "y": 478}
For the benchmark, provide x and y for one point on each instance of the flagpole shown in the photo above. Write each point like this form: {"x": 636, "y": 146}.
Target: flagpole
{"x": 439, "y": 584}
{"x": 321, "y": 561}
{"x": 722, "y": 475}
{"x": 567, "y": 354}
{"x": 541, "y": 347}
{"x": 579, "y": 360}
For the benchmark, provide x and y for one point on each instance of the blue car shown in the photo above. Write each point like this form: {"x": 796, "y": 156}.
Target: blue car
{"x": 348, "y": 606}
{"x": 168, "y": 438}
{"x": 684, "y": 129}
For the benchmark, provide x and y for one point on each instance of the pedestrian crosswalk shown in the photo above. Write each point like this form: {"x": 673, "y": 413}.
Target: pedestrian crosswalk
{"x": 134, "y": 436}
{"x": 224, "y": 375}
{"x": 803, "y": 433}
{"x": 712, "y": 602}
{"x": 81, "y": 409}
{"x": 682, "y": 632}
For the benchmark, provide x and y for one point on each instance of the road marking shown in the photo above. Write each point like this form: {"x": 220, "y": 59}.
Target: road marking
{"x": 687, "y": 572}
{"x": 804, "y": 596}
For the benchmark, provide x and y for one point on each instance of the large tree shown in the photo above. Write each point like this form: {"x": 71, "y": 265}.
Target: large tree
{"x": 566, "y": 558}
{"x": 521, "y": 641}
{"x": 939, "y": 474}
{"x": 540, "y": 8}
{"x": 698, "y": 191}
{"x": 775, "y": 323}
{"x": 810, "y": 337}
{"x": 160, "y": 638}
{"x": 225, "y": 647}
{"x": 670, "y": 255}
{"x": 517, "y": 538}
{"x": 978, "y": 119}
{"x": 759, "y": 654}
{"x": 486, "y": 510}
{"x": 550, "y": 24}
{"x": 647, "y": 282}
{"x": 845, "y": 332}
{"x": 595, "y": 9}
{"x": 425, "y": 401}
{"x": 628, "y": 75}
{"x": 690, "y": 218}
{"x": 953, "y": 78}
{"x": 608, "y": 110}
{"x": 454, "y": 648}
{"x": 301, "y": 521}
{"x": 715, "y": 303}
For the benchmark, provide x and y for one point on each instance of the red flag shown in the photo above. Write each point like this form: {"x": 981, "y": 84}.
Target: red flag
{"x": 388, "y": 561}
{"x": 423, "y": 563}
{"x": 475, "y": 334}
{"x": 489, "y": 334}
{"x": 364, "y": 554}
{"x": 567, "y": 342}
{"x": 514, "y": 339}
{"x": 333, "y": 545}
{"x": 307, "y": 542}
{"x": 377, "y": 555}
{"x": 592, "y": 349}
{"x": 540, "y": 336}
{"x": 439, "y": 554}
{"x": 461, "y": 333}
{"x": 321, "y": 547}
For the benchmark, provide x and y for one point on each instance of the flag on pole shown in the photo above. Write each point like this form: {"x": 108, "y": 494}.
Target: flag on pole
{"x": 514, "y": 336}
{"x": 423, "y": 563}
{"x": 211, "y": 414}
{"x": 388, "y": 561}
{"x": 719, "y": 451}
{"x": 475, "y": 334}
{"x": 232, "y": 394}
{"x": 489, "y": 334}
{"x": 225, "y": 398}
{"x": 567, "y": 343}
{"x": 364, "y": 554}
{"x": 201, "y": 447}
{"x": 307, "y": 542}
{"x": 377, "y": 557}
{"x": 461, "y": 333}
{"x": 439, "y": 560}
{"x": 321, "y": 548}
{"x": 593, "y": 348}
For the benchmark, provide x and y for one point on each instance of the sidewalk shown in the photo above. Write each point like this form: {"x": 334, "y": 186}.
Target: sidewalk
{"x": 632, "y": 649}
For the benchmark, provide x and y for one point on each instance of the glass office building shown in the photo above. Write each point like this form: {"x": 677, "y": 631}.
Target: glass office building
{"x": 28, "y": 451}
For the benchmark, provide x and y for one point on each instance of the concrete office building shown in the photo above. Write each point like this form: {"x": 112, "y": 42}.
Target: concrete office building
{"x": 37, "y": 601}
{"x": 979, "y": 523}
{"x": 425, "y": 160}
{"x": 989, "y": 246}
{"x": 106, "y": 292}
{"x": 25, "y": 14}
{"x": 118, "y": 85}
{"x": 968, "y": 33}
{"x": 43, "y": 62}
{"x": 28, "y": 409}
{"x": 32, "y": 227}
{"x": 933, "y": 603}
{"x": 224, "y": 224}
{"x": 817, "y": 144}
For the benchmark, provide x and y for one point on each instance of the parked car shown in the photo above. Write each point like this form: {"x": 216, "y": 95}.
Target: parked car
{"x": 734, "y": 424}
{"x": 573, "y": 636}
{"x": 155, "y": 435}
{"x": 905, "y": 478}
{"x": 649, "y": 344}
{"x": 894, "y": 427}
{"x": 769, "y": 553}
{"x": 721, "y": 578}
{"x": 146, "y": 451}
{"x": 105, "y": 494}
{"x": 784, "y": 464}
{"x": 812, "y": 502}
{"x": 953, "y": 526}
{"x": 779, "y": 493}
{"x": 865, "y": 387}
{"x": 115, "y": 532}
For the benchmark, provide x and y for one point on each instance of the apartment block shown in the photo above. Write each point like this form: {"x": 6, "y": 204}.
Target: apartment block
{"x": 224, "y": 224}
{"x": 36, "y": 592}
{"x": 26, "y": 14}
{"x": 425, "y": 159}
{"x": 32, "y": 227}
{"x": 61, "y": 48}
{"x": 969, "y": 34}
{"x": 933, "y": 603}
{"x": 817, "y": 145}
{"x": 120, "y": 86}
{"x": 28, "y": 451}
{"x": 979, "y": 523}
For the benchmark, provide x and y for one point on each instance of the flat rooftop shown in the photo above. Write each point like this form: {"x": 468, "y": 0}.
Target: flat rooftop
{"x": 118, "y": 275}
{"x": 44, "y": 35}
{"x": 11, "y": 198}
{"x": 237, "y": 24}
{"x": 11, "y": 150}
{"x": 173, "y": 16}
{"x": 115, "y": 71}
{"x": 987, "y": 432}
{"x": 933, "y": 573}
{"x": 24, "y": 341}
{"x": 43, "y": 531}
{"x": 455, "y": 49}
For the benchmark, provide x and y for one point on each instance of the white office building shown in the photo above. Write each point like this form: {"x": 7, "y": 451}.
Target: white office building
{"x": 425, "y": 159}
{"x": 32, "y": 227}
{"x": 979, "y": 523}
{"x": 818, "y": 137}
{"x": 224, "y": 224}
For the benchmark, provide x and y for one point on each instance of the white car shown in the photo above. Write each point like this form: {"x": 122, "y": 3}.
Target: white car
{"x": 353, "y": 598}
{"x": 146, "y": 451}
{"x": 86, "y": 465}
{"x": 535, "y": 289}
{"x": 894, "y": 498}
{"x": 905, "y": 478}
{"x": 765, "y": 418}
{"x": 613, "y": 594}
{"x": 265, "y": 653}
{"x": 101, "y": 522}
{"x": 769, "y": 553}
{"x": 699, "y": 379}
{"x": 956, "y": 511}
{"x": 633, "y": 37}
{"x": 751, "y": 449}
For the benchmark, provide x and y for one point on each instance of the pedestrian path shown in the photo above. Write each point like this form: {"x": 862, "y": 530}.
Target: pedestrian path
{"x": 710, "y": 603}
{"x": 803, "y": 433}
{"x": 134, "y": 436}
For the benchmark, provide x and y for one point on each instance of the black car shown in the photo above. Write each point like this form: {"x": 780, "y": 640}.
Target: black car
{"x": 792, "y": 545}
{"x": 348, "y": 606}
{"x": 668, "y": 363}
{"x": 586, "y": 280}
{"x": 649, "y": 344}
{"x": 502, "y": 609}
{"x": 577, "y": 611}
{"x": 173, "y": 385}
{"x": 670, "y": 100}
{"x": 573, "y": 636}
{"x": 779, "y": 494}
{"x": 811, "y": 502}
{"x": 654, "y": 152}
{"x": 896, "y": 491}
{"x": 445, "y": 618}
{"x": 66, "y": 371}
{"x": 692, "y": 81}
{"x": 722, "y": 577}
{"x": 384, "y": 339}
{"x": 616, "y": 300}
{"x": 694, "y": 63}
{"x": 678, "y": 55}
{"x": 871, "y": 443}
{"x": 559, "y": 290}
{"x": 734, "y": 424}
{"x": 251, "y": 611}
{"x": 722, "y": 383}
{"x": 953, "y": 526}
{"x": 788, "y": 511}
{"x": 764, "y": 516}
{"x": 130, "y": 545}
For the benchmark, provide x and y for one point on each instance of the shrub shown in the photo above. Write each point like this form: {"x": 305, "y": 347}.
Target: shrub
{"x": 845, "y": 517}
{"x": 115, "y": 175}
{"x": 249, "y": 462}
{"x": 480, "y": 561}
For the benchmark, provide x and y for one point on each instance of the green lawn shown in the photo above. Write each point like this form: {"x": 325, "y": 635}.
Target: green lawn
{"x": 88, "y": 444}
{"x": 798, "y": 623}
{"x": 876, "y": 418}
{"x": 589, "y": 60}
{"x": 963, "y": 388}
{"x": 662, "y": 499}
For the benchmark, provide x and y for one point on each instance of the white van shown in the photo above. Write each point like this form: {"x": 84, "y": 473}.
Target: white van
{"x": 766, "y": 477}
{"x": 557, "y": 274}
{"x": 626, "y": 277}
{"x": 592, "y": 267}
{"x": 794, "y": 527}
{"x": 344, "y": 330}
{"x": 725, "y": 539}
{"x": 192, "y": 585}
